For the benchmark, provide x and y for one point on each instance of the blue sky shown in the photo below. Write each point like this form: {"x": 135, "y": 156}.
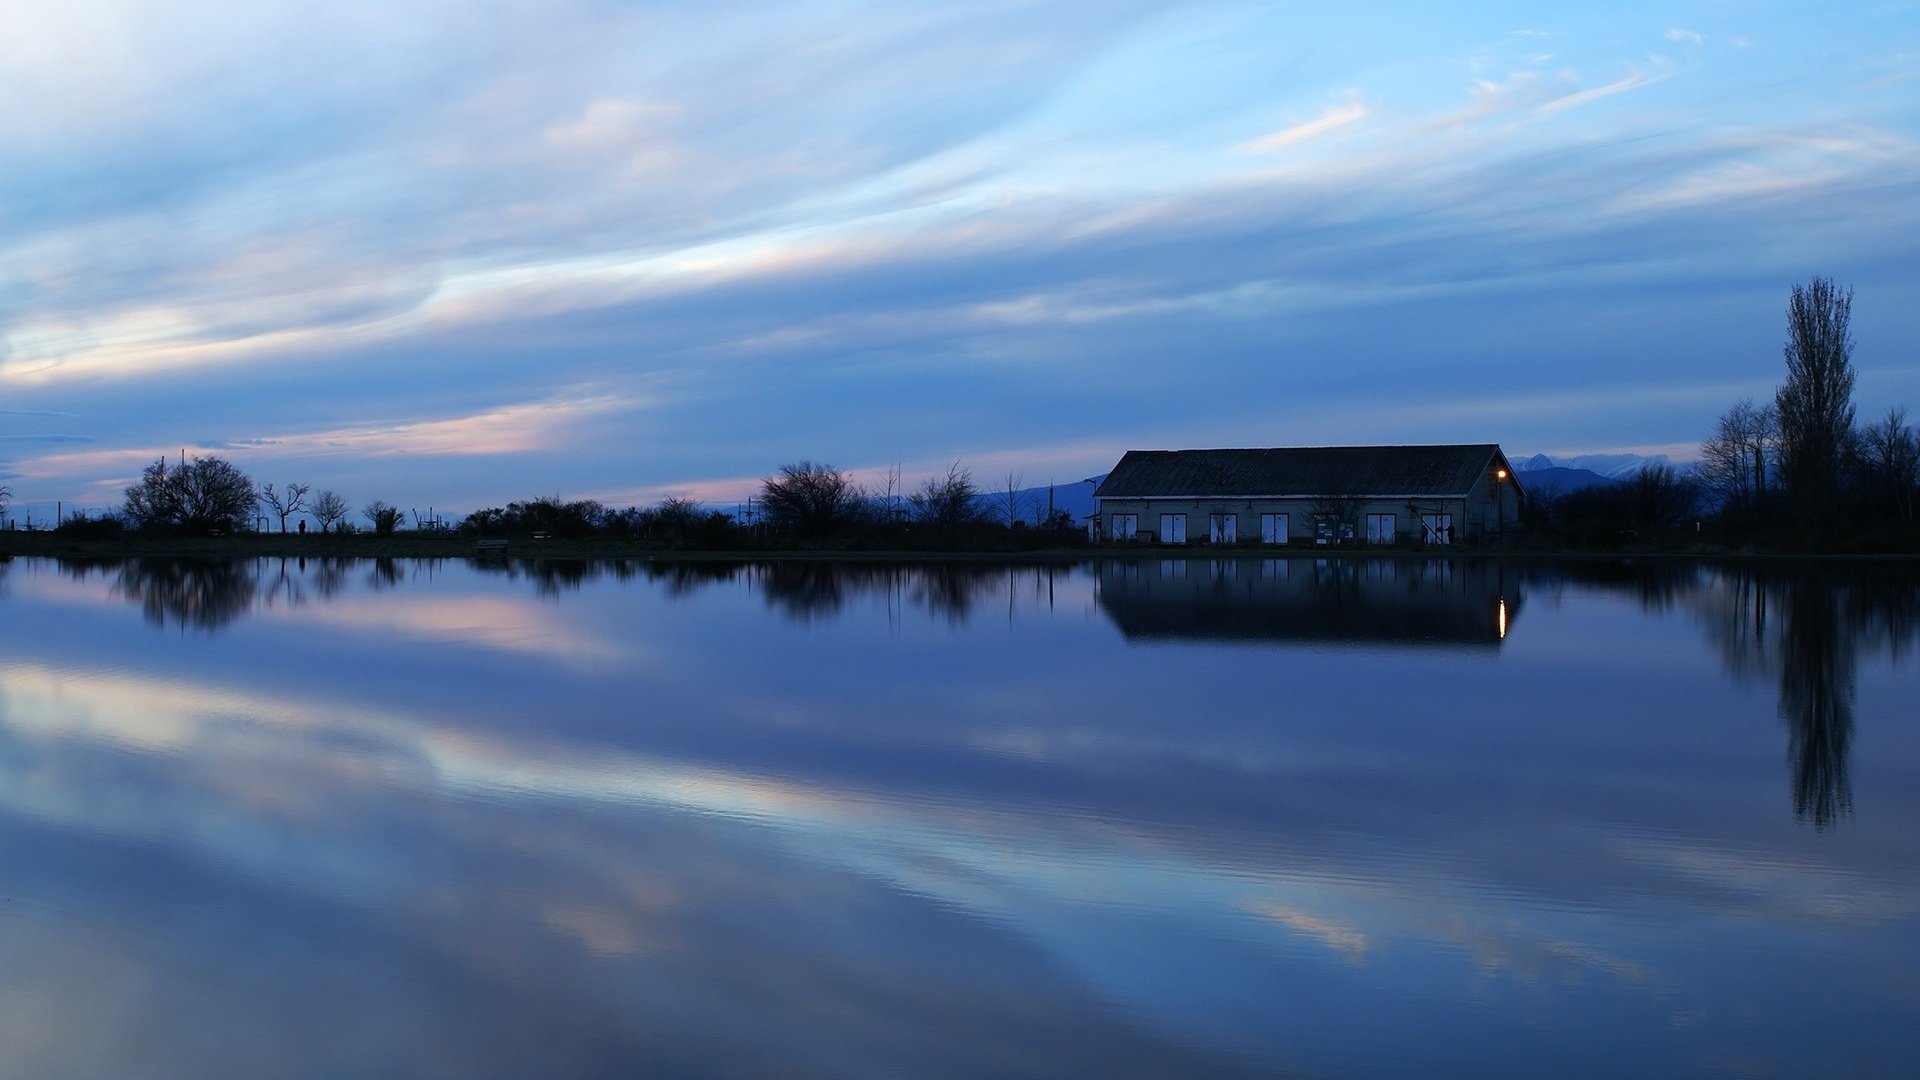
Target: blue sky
{"x": 456, "y": 253}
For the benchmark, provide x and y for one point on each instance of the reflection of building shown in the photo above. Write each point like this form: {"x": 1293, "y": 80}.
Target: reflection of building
{"x": 1431, "y": 602}
{"x": 1294, "y": 495}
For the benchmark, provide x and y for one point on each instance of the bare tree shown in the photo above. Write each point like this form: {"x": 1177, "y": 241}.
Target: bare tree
{"x": 1010, "y": 499}
{"x": 328, "y": 508}
{"x": 947, "y": 501}
{"x": 1891, "y": 454}
{"x": 1340, "y": 513}
{"x": 284, "y": 504}
{"x": 889, "y": 495}
{"x": 810, "y": 499}
{"x": 1816, "y": 402}
{"x": 1736, "y": 461}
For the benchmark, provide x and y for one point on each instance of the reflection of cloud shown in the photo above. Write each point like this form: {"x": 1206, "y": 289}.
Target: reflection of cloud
{"x": 493, "y": 622}
{"x": 1517, "y": 952}
{"x": 1333, "y": 935}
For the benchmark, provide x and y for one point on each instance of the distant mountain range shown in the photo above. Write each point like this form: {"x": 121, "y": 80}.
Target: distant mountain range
{"x": 1075, "y": 497}
{"x": 1541, "y": 473}
{"x": 1606, "y": 466}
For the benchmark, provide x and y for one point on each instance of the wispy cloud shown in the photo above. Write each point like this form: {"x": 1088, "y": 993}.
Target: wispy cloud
{"x": 1332, "y": 118}
{"x": 1656, "y": 69}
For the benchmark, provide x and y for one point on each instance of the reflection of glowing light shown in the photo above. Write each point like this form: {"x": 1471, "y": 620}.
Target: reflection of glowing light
{"x": 1503, "y": 618}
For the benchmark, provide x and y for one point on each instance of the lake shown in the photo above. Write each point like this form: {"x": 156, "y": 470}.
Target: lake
{"x": 1128, "y": 818}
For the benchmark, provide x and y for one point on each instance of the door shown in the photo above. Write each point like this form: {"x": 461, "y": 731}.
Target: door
{"x": 1173, "y": 528}
{"x": 1226, "y": 529}
{"x": 1273, "y": 528}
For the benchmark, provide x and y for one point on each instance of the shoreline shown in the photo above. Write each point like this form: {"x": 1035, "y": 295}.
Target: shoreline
{"x": 37, "y": 544}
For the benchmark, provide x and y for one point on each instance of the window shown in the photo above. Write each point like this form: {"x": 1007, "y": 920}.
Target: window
{"x": 1124, "y": 526}
{"x": 1436, "y": 528}
{"x": 1380, "y": 528}
{"x": 1173, "y": 528}
{"x": 1225, "y": 529}
{"x": 1273, "y": 528}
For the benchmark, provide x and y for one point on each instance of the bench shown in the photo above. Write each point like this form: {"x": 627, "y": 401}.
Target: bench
{"x": 490, "y": 547}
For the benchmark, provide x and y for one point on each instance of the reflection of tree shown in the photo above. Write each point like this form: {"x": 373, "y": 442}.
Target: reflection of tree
{"x": 1657, "y": 584}
{"x": 805, "y": 590}
{"x": 203, "y": 595}
{"x": 1808, "y": 627}
{"x": 386, "y": 574}
{"x": 551, "y": 577}
{"x": 330, "y": 577}
{"x": 811, "y": 590}
{"x": 1816, "y": 701}
{"x": 682, "y": 579}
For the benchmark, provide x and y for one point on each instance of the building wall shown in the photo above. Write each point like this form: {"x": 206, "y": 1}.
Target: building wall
{"x": 1300, "y": 517}
{"x": 1494, "y": 504}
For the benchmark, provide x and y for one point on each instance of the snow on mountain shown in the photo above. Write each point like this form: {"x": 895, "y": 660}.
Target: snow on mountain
{"x": 1611, "y": 466}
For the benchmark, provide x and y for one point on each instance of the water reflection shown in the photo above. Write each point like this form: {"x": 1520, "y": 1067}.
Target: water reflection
{"x": 1802, "y": 627}
{"x": 736, "y": 819}
{"x": 1816, "y": 700}
{"x": 200, "y": 595}
{"x": 1805, "y": 626}
{"x": 1430, "y": 602}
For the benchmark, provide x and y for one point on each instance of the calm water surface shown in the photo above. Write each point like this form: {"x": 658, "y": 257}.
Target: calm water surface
{"x": 1182, "y": 818}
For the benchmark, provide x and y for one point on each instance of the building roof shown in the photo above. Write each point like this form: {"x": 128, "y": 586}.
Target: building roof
{"x": 1309, "y": 471}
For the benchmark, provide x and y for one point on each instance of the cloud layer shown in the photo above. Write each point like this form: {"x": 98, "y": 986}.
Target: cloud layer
{"x": 465, "y": 253}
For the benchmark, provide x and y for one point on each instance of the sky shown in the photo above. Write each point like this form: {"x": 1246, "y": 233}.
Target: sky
{"x": 452, "y": 253}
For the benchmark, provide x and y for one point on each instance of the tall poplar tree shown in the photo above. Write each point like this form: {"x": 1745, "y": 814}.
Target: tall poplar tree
{"x": 1815, "y": 404}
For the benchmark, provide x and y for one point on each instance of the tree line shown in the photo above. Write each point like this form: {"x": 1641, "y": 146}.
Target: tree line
{"x": 1793, "y": 473}
{"x": 803, "y": 504}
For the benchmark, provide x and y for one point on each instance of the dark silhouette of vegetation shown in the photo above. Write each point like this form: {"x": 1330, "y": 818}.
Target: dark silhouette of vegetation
{"x": 84, "y": 526}
{"x": 1815, "y": 404}
{"x": 1737, "y": 461}
{"x": 811, "y": 501}
{"x": 1799, "y": 475}
{"x": 1889, "y": 461}
{"x": 549, "y": 515}
{"x": 949, "y": 502}
{"x": 205, "y": 495}
{"x": 1656, "y": 503}
{"x": 284, "y": 504}
{"x": 329, "y": 509}
{"x": 383, "y": 516}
